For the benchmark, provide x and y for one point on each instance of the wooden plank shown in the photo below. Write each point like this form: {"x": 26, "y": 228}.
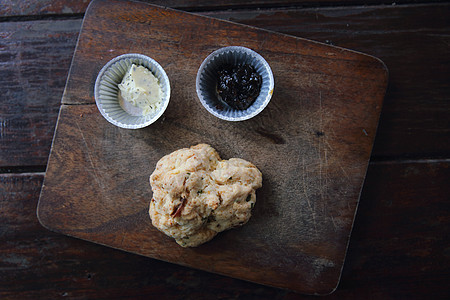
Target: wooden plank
{"x": 35, "y": 58}
{"x": 11, "y": 8}
{"x": 324, "y": 113}
{"x": 412, "y": 123}
{"x": 398, "y": 248}
{"x": 43, "y": 259}
{"x": 414, "y": 118}
{"x": 36, "y": 263}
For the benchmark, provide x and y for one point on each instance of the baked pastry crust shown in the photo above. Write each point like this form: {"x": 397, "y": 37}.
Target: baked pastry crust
{"x": 197, "y": 195}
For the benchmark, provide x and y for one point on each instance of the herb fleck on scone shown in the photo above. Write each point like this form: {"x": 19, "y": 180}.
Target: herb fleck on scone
{"x": 197, "y": 195}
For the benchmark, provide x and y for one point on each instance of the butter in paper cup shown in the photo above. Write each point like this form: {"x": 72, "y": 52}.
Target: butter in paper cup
{"x": 207, "y": 77}
{"x": 106, "y": 92}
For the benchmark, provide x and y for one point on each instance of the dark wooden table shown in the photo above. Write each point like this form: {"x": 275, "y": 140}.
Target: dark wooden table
{"x": 399, "y": 247}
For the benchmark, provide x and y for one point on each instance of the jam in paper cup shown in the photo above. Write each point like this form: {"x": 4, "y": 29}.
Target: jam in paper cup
{"x": 208, "y": 78}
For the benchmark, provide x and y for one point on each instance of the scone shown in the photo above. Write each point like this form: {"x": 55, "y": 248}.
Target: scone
{"x": 197, "y": 195}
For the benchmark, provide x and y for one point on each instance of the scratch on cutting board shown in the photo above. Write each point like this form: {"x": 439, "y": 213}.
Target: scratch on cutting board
{"x": 180, "y": 41}
{"x": 324, "y": 186}
{"x": 326, "y": 163}
{"x": 328, "y": 144}
{"x": 337, "y": 161}
{"x": 123, "y": 238}
{"x": 365, "y": 132}
{"x": 343, "y": 170}
{"x": 313, "y": 213}
{"x": 90, "y": 157}
{"x": 334, "y": 223}
{"x": 320, "y": 145}
{"x": 261, "y": 45}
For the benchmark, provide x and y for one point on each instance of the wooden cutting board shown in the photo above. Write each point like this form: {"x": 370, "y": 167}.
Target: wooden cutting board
{"x": 312, "y": 144}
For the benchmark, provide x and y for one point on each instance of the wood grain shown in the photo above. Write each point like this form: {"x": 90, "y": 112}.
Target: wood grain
{"x": 399, "y": 246}
{"x": 324, "y": 114}
{"x": 36, "y": 263}
{"x": 413, "y": 121}
{"x": 35, "y": 58}
{"x": 403, "y": 221}
{"x": 413, "y": 124}
{"x": 10, "y": 8}
{"x": 386, "y": 259}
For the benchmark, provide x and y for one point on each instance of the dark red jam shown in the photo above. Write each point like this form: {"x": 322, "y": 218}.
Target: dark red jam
{"x": 238, "y": 85}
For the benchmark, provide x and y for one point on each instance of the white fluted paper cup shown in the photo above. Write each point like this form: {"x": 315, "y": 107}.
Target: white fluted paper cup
{"x": 106, "y": 92}
{"x": 207, "y": 78}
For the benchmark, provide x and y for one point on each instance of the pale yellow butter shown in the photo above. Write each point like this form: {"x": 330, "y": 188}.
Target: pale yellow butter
{"x": 141, "y": 89}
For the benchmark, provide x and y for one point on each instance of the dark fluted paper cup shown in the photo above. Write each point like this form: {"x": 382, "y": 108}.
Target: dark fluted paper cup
{"x": 106, "y": 91}
{"x": 207, "y": 78}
